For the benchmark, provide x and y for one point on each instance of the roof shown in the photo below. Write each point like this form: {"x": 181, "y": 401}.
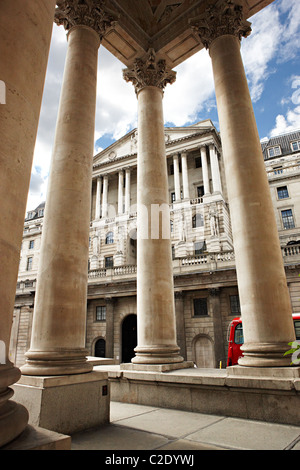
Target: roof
{"x": 283, "y": 140}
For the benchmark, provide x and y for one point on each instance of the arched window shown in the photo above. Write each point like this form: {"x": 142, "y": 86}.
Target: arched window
{"x": 109, "y": 238}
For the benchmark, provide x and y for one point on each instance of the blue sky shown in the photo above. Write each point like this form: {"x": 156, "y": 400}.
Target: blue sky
{"x": 271, "y": 55}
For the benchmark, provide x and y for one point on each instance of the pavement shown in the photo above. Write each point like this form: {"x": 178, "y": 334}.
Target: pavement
{"x": 148, "y": 428}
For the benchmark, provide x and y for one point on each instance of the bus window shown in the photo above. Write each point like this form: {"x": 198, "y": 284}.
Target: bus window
{"x": 297, "y": 329}
{"x": 238, "y": 334}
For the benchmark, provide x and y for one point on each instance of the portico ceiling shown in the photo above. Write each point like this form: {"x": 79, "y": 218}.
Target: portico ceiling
{"x": 162, "y": 25}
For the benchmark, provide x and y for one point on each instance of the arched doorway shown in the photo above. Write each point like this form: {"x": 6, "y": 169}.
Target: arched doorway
{"x": 100, "y": 348}
{"x": 129, "y": 337}
{"x": 204, "y": 352}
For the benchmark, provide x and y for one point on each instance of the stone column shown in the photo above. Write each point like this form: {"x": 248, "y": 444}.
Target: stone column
{"x": 98, "y": 198}
{"x": 155, "y": 294}
{"x": 205, "y": 170}
{"x": 127, "y": 190}
{"x": 25, "y": 34}
{"x": 215, "y": 169}
{"x": 120, "y": 193}
{"x": 104, "y": 197}
{"x": 265, "y": 302}
{"x": 185, "y": 178}
{"x": 180, "y": 323}
{"x": 176, "y": 178}
{"x": 215, "y": 308}
{"x": 58, "y": 333}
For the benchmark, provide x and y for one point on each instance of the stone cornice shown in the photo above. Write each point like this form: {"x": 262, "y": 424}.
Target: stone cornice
{"x": 91, "y": 13}
{"x": 223, "y": 18}
{"x": 149, "y": 72}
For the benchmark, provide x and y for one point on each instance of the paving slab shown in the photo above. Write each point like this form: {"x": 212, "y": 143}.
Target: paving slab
{"x": 119, "y": 411}
{"x": 114, "y": 437}
{"x": 170, "y": 423}
{"x": 243, "y": 434}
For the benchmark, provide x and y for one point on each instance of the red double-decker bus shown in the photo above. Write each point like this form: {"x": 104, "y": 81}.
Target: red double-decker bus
{"x": 236, "y": 338}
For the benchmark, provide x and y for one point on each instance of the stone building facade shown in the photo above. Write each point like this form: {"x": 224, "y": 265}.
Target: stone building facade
{"x": 205, "y": 282}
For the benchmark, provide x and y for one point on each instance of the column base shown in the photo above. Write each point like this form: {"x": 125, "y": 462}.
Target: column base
{"x": 43, "y": 363}
{"x": 157, "y": 367}
{"x": 13, "y": 416}
{"x": 65, "y": 404}
{"x": 265, "y": 355}
{"x": 157, "y": 355}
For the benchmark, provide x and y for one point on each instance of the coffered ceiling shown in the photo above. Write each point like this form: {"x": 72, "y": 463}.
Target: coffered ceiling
{"x": 162, "y": 25}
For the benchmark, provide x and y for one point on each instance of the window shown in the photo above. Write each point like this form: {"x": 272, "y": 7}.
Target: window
{"x": 282, "y": 192}
{"x": 101, "y": 313}
{"x": 109, "y": 262}
{"x": 235, "y": 304}
{"x": 173, "y": 251}
{"x": 238, "y": 334}
{"x": 198, "y": 163}
{"x": 31, "y": 244}
{"x": 287, "y": 219}
{"x": 109, "y": 238}
{"x": 199, "y": 247}
{"x": 295, "y": 145}
{"x": 41, "y": 212}
{"x": 200, "y": 191}
{"x": 197, "y": 221}
{"x": 171, "y": 169}
{"x": 29, "y": 264}
{"x": 274, "y": 151}
{"x": 278, "y": 170}
{"x": 200, "y": 307}
{"x": 172, "y": 198}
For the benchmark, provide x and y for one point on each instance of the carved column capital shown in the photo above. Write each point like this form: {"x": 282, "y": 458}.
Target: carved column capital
{"x": 91, "y": 13}
{"x": 149, "y": 72}
{"x": 222, "y": 18}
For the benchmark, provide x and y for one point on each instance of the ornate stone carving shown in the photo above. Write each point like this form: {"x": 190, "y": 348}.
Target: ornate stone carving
{"x": 224, "y": 17}
{"x": 90, "y": 13}
{"x": 149, "y": 72}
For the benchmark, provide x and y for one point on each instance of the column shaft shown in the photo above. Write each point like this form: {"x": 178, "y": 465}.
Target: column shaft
{"x": 58, "y": 333}
{"x": 98, "y": 198}
{"x": 155, "y": 294}
{"x": 185, "y": 178}
{"x": 105, "y": 196}
{"x": 264, "y": 296}
{"x": 176, "y": 178}
{"x": 25, "y": 34}
{"x": 127, "y": 190}
{"x": 120, "y": 193}
{"x": 215, "y": 169}
{"x": 205, "y": 170}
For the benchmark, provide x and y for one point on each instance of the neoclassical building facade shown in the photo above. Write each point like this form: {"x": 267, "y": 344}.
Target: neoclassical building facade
{"x": 205, "y": 290}
{"x": 150, "y": 38}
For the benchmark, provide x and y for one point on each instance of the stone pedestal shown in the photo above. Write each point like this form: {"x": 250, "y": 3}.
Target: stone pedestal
{"x": 65, "y": 404}
{"x": 34, "y": 438}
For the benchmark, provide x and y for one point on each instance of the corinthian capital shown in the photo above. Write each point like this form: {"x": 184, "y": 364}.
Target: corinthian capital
{"x": 223, "y": 17}
{"x": 149, "y": 72}
{"x": 90, "y": 13}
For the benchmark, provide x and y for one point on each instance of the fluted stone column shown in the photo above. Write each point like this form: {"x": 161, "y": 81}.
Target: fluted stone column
{"x": 215, "y": 169}
{"x": 155, "y": 295}
{"x": 98, "y": 198}
{"x": 105, "y": 196}
{"x": 205, "y": 170}
{"x": 25, "y": 34}
{"x": 176, "y": 177}
{"x": 127, "y": 189}
{"x": 58, "y": 332}
{"x": 185, "y": 178}
{"x": 120, "y": 192}
{"x": 265, "y": 302}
